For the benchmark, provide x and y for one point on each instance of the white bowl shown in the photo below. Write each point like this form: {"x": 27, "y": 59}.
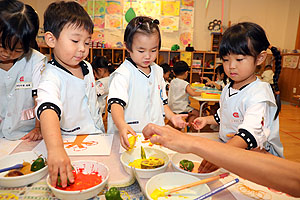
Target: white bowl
{"x": 19, "y": 158}
{"x": 129, "y": 156}
{"x": 88, "y": 166}
{"x": 169, "y": 180}
{"x": 177, "y": 157}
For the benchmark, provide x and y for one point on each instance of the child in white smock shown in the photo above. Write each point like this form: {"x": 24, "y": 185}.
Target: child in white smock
{"x": 67, "y": 101}
{"x": 102, "y": 69}
{"x": 267, "y": 75}
{"x": 248, "y": 114}
{"x": 180, "y": 90}
{"x": 20, "y": 71}
{"x": 137, "y": 94}
{"x": 221, "y": 81}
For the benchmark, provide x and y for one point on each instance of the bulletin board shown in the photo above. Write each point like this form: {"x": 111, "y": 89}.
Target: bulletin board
{"x": 176, "y": 19}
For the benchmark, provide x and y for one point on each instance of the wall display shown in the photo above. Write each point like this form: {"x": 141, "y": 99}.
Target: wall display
{"x": 290, "y": 61}
{"x": 175, "y": 16}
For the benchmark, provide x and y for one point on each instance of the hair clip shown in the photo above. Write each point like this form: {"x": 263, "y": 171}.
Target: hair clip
{"x": 140, "y": 21}
{"x": 155, "y": 21}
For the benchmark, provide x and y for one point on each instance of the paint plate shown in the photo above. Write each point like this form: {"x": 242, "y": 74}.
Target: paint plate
{"x": 19, "y": 158}
{"x": 169, "y": 180}
{"x": 177, "y": 157}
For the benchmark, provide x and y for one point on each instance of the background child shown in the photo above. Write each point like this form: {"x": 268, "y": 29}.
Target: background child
{"x": 137, "y": 94}
{"x": 102, "y": 69}
{"x": 180, "y": 90}
{"x": 167, "y": 72}
{"x": 248, "y": 108}
{"x": 267, "y": 75}
{"x": 67, "y": 101}
{"x": 221, "y": 78}
{"x": 20, "y": 71}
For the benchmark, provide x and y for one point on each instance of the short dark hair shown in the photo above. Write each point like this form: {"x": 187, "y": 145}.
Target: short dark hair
{"x": 180, "y": 67}
{"x": 166, "y": 67}
{"x": 18, "y": 23}
{"x": 140, "y": 24}
{"x": 102, "y": 62}
{"x": 59, "y": 14}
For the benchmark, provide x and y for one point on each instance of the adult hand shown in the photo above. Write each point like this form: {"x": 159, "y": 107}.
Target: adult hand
{"x": 168, "y": 137}
{"x": 33, "y": 135}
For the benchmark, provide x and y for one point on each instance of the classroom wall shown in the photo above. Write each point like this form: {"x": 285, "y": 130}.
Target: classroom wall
{"x": 279, "y": 18}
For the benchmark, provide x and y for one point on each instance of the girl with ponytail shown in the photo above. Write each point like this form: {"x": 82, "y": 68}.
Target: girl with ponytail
{"x": 248, "y": 114}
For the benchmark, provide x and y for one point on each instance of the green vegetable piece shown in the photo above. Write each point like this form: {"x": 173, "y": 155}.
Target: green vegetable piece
{"x": 113, "y": 194}
{"x": 143, "y": 154}
{"x": 38, "y": 164}
{"x": 58, "y": 183}
{"x": 186, "y": 165}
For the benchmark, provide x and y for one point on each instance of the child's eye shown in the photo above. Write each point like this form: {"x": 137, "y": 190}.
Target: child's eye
{"x": 87, "y": 43}
{"x": 141, "y": 51}
{"x": 239, "y": 59}
{"x": 75, "y": 41}
{"x": 225, "y": 60}
{"x": 154, "y": 50}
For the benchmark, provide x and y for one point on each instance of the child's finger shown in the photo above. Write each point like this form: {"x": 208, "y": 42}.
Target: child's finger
{"x": 63, "y": 176}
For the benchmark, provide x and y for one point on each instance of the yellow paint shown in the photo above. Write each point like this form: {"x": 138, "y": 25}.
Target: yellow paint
{"x": 158, "y": 193}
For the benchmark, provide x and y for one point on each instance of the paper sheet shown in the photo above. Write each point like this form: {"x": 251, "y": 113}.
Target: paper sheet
{"x": 140, "y": 141}
{"x": 83, "y": 145}
{"x": 248, "y": 190}
{"x": 7, "y": 146}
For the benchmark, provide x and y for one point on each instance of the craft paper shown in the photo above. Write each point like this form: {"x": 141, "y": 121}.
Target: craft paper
{"x": 186, "y": 37}
{"x": 7, "y": 146}
{"x": 170, "y": 8}
{"x": 150, "y": 8}
{"x": 83, "y": 145}
{"x": 96, "y": 7}
{"x": 113, "y": 21}
{"x": 140, "y": 141}
{"x": 187, "y": 18}
{"x": 247, "y": 190}
{"x": 99, "y": 22}
{"x": 187, "y": 57}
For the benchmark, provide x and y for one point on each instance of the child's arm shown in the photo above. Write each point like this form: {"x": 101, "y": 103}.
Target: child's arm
{"x": 191, "y": 91}
{"x": 35, "y": 133}
{"x": 176, "y": 119}
{"x": 58, "y": 160}
{"x": 117, "y": 113}
{"x": 200, "y": 122}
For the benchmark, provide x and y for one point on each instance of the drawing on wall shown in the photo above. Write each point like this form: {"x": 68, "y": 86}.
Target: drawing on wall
{"x": 151, "y": 8}
{"x": 99, "y": 22}
{"x": 170, "y": 8}
{"x": 113, "y": 21}
{"x": 113, "y": 7}
{"x": 186, "y": 17}
{"x": 169, "y": 23}
{"x": 98, "y": 35}
{"x": 96, "y": 7}
{"x": 186, "y": 37}
{"x": 187, "y": 2}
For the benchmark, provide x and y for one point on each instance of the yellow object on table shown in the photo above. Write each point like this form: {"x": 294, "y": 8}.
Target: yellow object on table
{"x": 210, "y": 95}
{"x": 198, "y": 84}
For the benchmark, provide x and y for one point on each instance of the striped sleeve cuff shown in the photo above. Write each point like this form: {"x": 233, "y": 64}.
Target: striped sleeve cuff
{"x": 217, "y": 118}
{"x": 46, "y": 106}
{"x": 115, "y": 100}
{"x": 248, "y": 138}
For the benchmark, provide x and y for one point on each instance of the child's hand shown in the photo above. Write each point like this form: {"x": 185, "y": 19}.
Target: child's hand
{"x": 33, "y": 135}
{"x": 124, "y": 136}
{"x": 207, "y": 167}
{"x": 199, "y": 123}
{"x": 178, "y": 121}
{"x": 59, "y": 162}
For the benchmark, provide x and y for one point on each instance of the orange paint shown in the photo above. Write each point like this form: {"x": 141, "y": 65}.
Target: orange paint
{"x": 79, "y": 143}
{"x": 84, "y": 181}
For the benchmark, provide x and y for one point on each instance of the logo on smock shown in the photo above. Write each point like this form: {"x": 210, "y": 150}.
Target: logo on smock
{"x": 236, "y": 115}
{"x": 22, "y": 78}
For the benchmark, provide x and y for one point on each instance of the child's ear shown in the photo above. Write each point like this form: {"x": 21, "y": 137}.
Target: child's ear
{"x": 50, "y": 39}
{"x": 261, "y": 58}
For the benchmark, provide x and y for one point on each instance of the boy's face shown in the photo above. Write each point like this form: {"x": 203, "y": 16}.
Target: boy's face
{"x": 72, "y": 46}
{"x": 167, "y": 75}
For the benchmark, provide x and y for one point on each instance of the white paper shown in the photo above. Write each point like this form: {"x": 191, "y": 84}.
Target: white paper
{"x": 140, "y": 141}
{"x": 7, "y": 146}
{"x": 80, "y": 145}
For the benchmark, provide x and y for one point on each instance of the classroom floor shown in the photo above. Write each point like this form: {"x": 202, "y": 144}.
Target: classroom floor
{"x": 289, "y": 120}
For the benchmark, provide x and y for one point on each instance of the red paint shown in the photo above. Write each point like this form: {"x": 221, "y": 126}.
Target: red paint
{"x": 84, "y": 181}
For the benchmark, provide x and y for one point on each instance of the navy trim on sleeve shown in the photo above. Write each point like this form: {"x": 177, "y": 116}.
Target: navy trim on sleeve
{"x": 115, "y": 100}
{"x": 34, "y": 93}
{"x": 48, "y": 105}
{"x": 217, "y": 118}
{"x": 248, "y": 138}
{"x": 165, "y": 102}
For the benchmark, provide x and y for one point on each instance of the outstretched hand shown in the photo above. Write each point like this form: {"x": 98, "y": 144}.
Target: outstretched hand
{"x": 178, "y": 121}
